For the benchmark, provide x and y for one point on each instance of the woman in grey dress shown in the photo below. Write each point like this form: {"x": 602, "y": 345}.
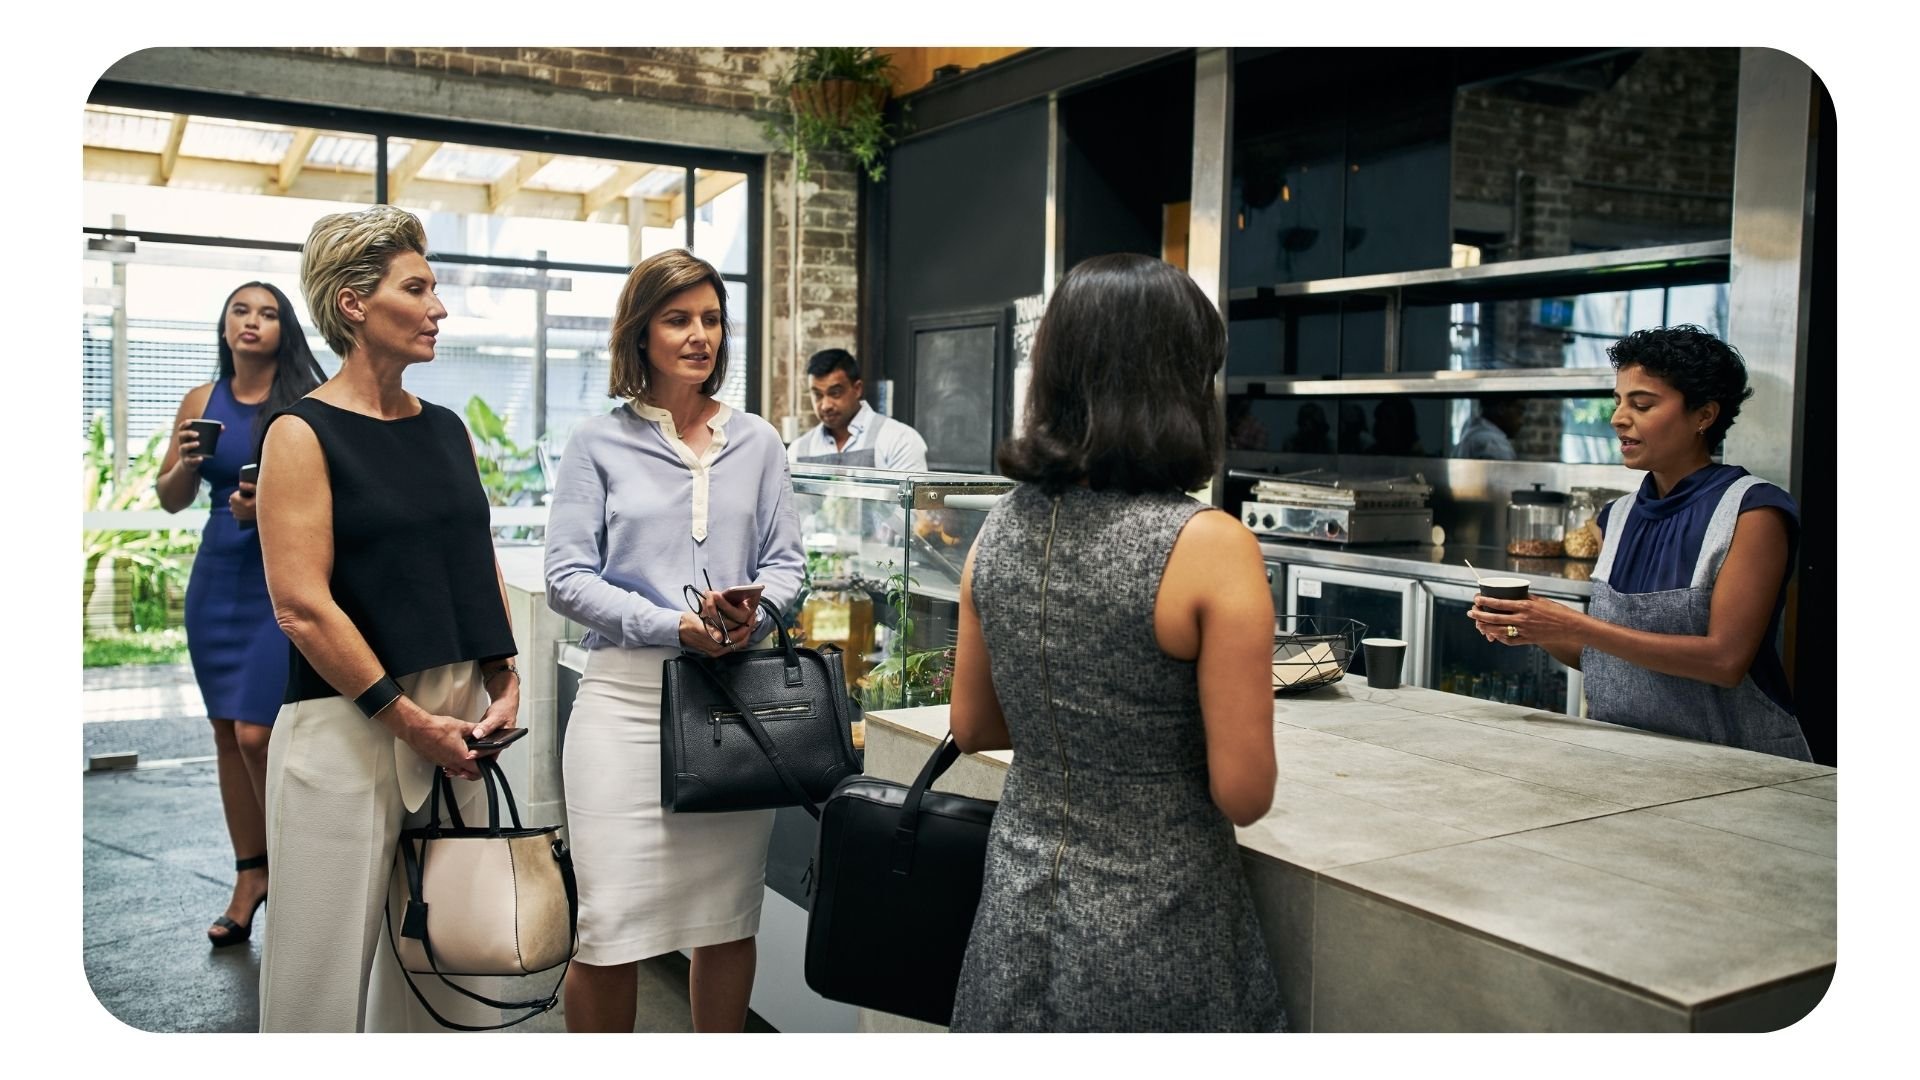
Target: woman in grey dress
{"x": 1116, "y": 635}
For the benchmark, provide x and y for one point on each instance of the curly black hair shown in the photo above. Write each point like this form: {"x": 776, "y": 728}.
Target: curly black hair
{"x": 1702, "y": 367}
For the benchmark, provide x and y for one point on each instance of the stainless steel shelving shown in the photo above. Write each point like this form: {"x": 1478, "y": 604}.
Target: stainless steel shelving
{"x": 1669, "y": 265}
{"x": 1704, "y": 261}
{"x": 1544, "y": 381}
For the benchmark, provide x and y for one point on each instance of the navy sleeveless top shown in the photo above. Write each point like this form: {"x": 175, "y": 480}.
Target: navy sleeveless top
{"x": 413, "y": 563}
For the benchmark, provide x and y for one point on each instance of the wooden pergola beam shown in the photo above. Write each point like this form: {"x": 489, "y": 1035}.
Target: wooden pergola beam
{"x": 709, "y": 185}
{"x": 418, "y": 155}
{"x": 296, "y": 159}
{"x": 611, "y": 188}
{"x": 171, "y": 154}
{"x": 514, "y": 179}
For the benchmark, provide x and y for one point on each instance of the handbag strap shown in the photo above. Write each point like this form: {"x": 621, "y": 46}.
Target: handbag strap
{"x": 907, "y": 827}
{"x": 491, "y": 774}
{"x": 786, "y": 643}
{"x": 414, "y": 925}
{"x": 760, "y": 735}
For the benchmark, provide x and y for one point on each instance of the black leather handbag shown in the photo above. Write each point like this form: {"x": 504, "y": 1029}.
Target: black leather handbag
{"x": 898, "y": 873}
{"x": 755, "y": 730}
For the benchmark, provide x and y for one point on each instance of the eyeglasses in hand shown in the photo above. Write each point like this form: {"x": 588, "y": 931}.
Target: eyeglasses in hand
{"x": 716, "y": 624}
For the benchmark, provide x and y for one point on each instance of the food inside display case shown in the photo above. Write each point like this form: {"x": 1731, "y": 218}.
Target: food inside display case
{"x": 884, "y": 556}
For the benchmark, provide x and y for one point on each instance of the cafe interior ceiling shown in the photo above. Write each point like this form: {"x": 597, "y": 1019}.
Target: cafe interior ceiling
{"x": 137, "y": 146}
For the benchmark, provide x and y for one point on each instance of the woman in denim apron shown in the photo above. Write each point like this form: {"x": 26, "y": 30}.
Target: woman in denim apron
{"x": 1692, "y": 573}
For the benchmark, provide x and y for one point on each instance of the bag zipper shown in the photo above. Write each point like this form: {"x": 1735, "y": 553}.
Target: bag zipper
{"x": 1046, "y": 683}
{"x": 772, "y": 712}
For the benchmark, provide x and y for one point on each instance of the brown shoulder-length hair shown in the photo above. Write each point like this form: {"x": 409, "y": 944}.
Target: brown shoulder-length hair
{"x": 658, "y": 279}
{"x": 1122, "y": 393}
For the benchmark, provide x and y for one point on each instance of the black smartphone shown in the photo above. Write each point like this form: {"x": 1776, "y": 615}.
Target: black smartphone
{"x": 249, "y": 474}
{"x": 499, "y": 740}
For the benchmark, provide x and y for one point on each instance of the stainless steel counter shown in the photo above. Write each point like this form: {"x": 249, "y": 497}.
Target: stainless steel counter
{"x": 1549, "y": 577}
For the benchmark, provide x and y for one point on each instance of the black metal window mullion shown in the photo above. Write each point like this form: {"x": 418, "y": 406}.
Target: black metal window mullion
{"x": 380, "y": 169}
{"x": 686, "y": 203}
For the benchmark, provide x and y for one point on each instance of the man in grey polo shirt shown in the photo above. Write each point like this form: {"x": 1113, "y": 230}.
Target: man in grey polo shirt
{"x": 850, "y": 432}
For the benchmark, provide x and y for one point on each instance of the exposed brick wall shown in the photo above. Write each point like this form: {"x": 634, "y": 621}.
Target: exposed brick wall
{"x": 716, "y": 78}
{"x": 1667, "y": 125}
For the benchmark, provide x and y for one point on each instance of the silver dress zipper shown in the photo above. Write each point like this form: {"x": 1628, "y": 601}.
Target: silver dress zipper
{"x": 1046, "y": 682}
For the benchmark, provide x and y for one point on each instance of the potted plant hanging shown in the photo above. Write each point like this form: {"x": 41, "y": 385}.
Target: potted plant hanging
{"x": 836, "y": 98}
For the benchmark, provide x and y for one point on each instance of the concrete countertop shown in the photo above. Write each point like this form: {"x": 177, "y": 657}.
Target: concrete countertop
{"x": 1681, "y": 876}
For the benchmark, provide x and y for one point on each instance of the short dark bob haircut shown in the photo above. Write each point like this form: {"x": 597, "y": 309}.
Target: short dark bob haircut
{"x": 1122, "y": 394}
{"x": 1702, "y": 367}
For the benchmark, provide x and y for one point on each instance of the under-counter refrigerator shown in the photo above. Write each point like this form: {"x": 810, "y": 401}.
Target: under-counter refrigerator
{"x": 1456, "y": 659}
{"x": 1389, "y": 606}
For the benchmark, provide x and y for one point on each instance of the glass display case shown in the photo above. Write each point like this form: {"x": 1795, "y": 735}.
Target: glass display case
{"x": 884, "y": 555}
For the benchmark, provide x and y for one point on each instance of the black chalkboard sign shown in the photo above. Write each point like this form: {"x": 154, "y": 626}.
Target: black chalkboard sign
{"x": 960, "y": 367}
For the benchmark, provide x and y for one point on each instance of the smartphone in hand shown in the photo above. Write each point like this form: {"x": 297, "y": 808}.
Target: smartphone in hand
{"x": 249, "y": 474}
{"x": 498, "y": 740}
{"x": 747, "y": 596}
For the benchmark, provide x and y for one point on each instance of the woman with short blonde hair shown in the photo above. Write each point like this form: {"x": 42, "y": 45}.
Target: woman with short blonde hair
{"x": 379, "y": 558}
{"x": 670, "y": 489}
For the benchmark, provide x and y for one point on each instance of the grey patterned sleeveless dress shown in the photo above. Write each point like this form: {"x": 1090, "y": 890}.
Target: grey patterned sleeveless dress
{"x": 1113, "y": 897}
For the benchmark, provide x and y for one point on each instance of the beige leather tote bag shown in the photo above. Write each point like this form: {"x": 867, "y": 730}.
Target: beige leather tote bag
{"x": 485, "y": 901}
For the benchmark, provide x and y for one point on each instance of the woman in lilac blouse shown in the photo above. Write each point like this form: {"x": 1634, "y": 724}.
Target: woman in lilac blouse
{"x": 670, "y": 489}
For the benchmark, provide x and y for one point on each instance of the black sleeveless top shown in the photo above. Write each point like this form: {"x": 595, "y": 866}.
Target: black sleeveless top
{"x": 413, "y": 563}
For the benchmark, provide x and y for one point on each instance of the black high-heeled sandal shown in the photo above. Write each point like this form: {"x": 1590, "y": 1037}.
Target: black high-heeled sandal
{"x": 236, "y": 933}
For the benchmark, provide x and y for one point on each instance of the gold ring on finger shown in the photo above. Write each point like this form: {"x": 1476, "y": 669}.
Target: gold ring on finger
{"x": 1513, "y": 631}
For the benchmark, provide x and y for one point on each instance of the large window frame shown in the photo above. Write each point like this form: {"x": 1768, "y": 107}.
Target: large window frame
{"x": 383, "y": 126}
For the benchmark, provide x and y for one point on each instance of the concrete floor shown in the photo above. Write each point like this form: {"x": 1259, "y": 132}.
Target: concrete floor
{"x": 158, "y": 867}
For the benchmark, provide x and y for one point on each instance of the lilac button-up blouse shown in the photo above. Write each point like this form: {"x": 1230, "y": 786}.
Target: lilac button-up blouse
{"x": 636, "y": 515}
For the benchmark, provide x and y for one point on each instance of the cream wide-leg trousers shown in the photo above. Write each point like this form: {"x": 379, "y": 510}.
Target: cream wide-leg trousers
{"x": 340, "y": 788}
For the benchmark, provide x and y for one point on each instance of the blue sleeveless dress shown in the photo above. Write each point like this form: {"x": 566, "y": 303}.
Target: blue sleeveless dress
{"x": 239, "y": 654}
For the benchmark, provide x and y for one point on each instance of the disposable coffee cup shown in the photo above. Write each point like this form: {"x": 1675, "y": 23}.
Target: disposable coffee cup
{"x": 1504, "y": 588}
{"x": 1385, "y": 655}
{"x": 209, "y": 432}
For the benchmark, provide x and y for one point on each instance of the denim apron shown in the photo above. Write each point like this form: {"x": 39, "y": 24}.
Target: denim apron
{"x": 861, "y": 458}
{"x": 1620, "y": 692}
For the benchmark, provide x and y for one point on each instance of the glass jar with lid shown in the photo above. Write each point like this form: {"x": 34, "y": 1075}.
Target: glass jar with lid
{"x": 1536, "y": 524}
{"x": 1582, "y": 538}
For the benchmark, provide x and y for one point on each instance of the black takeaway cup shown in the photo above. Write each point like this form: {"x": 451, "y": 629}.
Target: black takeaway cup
{"x": 209, "y": 433}
{"x": 1385, "y": 656}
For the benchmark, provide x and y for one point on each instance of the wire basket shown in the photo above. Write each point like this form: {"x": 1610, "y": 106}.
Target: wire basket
{"x": 1311, "y": 651}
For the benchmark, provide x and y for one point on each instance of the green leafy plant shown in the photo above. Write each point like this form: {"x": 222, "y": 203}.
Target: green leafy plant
{"x": 509, "y": 472}
{"x": 836, "y": 98}
{"x": 120, "y": 648}
{"x": 157, "y": 560}
{"x": 907, "y": 677}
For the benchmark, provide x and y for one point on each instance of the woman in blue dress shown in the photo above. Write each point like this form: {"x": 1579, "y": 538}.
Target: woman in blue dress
{"x": 1693, "y": 568}
{"x": 239, "y": 654}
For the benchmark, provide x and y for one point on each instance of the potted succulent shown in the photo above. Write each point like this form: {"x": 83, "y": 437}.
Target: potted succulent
{"x": 836, "y": 98}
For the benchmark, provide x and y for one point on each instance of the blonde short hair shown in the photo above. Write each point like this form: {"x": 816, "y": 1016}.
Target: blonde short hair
{"x": 351, "y": 251}
{"x": 658, "y": 279}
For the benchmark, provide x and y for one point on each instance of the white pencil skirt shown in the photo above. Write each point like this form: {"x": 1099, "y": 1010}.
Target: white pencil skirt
{"x": 650, "y": 882}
